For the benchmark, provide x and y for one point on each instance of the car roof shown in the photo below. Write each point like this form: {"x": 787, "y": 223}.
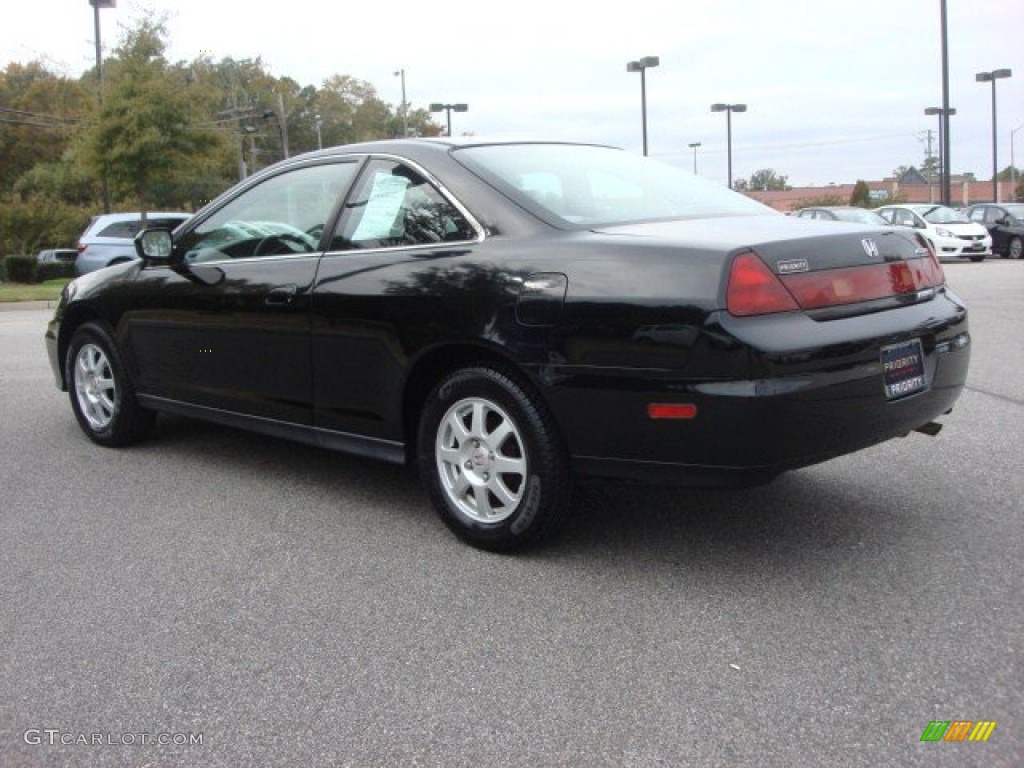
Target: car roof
{"x": 131, "y": 216}
{"x": 422, "y": 147}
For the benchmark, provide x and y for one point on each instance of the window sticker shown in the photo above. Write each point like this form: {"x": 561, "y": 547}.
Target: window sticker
{"x": 382, "y": 208}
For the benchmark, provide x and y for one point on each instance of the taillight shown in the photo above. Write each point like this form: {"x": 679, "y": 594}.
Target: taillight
{"x": 756, "y": 290}
{"x": 82, "y": 247}
{"x": 829, "y": 288}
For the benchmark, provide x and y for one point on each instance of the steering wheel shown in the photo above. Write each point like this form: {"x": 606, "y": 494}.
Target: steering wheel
{"x": 263, "y": 247}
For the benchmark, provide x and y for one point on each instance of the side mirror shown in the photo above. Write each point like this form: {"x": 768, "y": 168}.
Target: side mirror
{"x": 154, "y": 244}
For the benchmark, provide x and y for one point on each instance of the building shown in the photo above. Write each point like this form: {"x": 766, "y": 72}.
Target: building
{"x": 911, "y": 188}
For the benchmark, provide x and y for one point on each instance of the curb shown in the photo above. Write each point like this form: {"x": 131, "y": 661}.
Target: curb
{"x": 9, "y": 306}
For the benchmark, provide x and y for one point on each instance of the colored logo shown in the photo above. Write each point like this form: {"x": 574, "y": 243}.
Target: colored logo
{"x": 958, "y": 730}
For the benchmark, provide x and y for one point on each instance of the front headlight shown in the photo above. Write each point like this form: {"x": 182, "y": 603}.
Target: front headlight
{"x": 944, "y": 232}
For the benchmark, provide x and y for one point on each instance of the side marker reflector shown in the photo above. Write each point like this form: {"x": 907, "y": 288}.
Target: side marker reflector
{"x": 672, "y": 410}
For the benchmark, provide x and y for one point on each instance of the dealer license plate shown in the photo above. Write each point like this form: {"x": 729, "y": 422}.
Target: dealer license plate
{"x": 903, "y": 369}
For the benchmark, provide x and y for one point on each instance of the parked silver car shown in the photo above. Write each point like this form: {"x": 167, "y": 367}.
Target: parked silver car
{"x": 109, "y": 238}
{"x": 57, "y": 255}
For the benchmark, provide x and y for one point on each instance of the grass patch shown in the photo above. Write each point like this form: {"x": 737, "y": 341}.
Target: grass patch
{"x": 48, "y": 291}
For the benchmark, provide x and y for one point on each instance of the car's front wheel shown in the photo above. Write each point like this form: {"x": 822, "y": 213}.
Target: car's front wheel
{"x": 492, "y": 461}
{"x": 102, "y": 396}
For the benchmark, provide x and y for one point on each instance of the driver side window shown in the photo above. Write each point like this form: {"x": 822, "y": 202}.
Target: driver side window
{"x": 283, "y": 215}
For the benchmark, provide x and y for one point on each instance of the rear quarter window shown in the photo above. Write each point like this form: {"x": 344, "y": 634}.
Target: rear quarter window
{"x": 124, "y": 229}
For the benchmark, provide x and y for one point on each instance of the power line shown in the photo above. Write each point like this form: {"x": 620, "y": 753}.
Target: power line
{"x": 24, "y": 117}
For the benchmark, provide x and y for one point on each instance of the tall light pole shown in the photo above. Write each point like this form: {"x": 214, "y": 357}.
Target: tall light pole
{"x": 947, "y": 194}
{"x": 942, "y": 113}
{"x": 448, "y": 109}
{"x": 1013, "y": 165}
{"x": 991, "y": 77}
{"x": 729, "y": 109}
{"x": 641, "y": 66}
{"x": 694, "y": 146}
{"x": 405, "y": 107}
{"x": 319, "y": 137}
{"x": 96, "y": 5}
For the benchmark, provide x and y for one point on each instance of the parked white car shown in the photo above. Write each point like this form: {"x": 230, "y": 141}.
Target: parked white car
{"x": 950, "y": 232}
{"x": 110, "y": 237}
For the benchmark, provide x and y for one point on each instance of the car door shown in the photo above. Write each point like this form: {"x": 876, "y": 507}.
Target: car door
{"x": 392, "y": 277}
{"x": 995, "y": 219}
{"x": 226, "y": 326}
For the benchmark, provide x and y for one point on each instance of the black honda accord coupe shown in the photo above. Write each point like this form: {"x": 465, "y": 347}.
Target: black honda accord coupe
{"x": 511, "y": 316}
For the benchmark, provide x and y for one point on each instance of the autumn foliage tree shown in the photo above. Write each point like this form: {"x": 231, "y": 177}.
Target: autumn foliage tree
{"x": 168, "y": 134}
{"x": 143, "y": 138}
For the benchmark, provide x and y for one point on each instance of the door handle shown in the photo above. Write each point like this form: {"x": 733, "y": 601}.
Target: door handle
{"x": 283, "y": 294}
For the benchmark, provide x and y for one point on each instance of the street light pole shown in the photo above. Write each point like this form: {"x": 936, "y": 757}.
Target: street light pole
{"x": 694, "y": 146}
{"x": 942, "y": 113}
{"x": 1013, "y": 164}
{"x": 991, "y": 77}
{"x": 944, "y": 116}
{"x": 641, "y": 66}
{"x": 729, "y": 109}
{"x": 405, "y": 108}
{"x": 448, "y": 109}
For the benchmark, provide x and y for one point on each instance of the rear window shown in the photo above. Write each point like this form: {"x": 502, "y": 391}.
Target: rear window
{"x": 586, "y": 186}
{"x": 129, "y": 229}
{"x": 126, "y": 229}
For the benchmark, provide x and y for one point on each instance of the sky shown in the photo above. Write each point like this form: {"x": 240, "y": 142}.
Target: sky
{"x": 836, "y": 91}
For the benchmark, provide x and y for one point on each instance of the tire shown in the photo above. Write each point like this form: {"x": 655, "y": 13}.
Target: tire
{"x": 976, "y": 259}
{"x": 102, "y": 395}
{"x": 492, "y": 461}
{"x": 1015, "y": 249}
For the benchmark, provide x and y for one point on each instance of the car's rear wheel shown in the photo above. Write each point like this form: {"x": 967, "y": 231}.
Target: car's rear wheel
{"x": 1016, "y": 248}
{"x": 492, "y": 461}
{"x": 102, "y": 396}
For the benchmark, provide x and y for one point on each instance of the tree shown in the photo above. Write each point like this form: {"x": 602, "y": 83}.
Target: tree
{"x": 861, "y": 195}
{"x": 143, "y": 138}
{"x": 1009, "y": 173}
{"x": 37, "y": 119}
{"x": 767, "y": 178}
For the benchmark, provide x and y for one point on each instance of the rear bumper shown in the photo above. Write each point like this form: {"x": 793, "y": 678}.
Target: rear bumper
{"x": 805, "y": 405}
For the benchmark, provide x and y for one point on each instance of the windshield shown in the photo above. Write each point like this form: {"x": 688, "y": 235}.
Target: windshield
{"x": 587, "y": 186}
{"x": 859, "y": 215}
{"x": 942, "y": 215}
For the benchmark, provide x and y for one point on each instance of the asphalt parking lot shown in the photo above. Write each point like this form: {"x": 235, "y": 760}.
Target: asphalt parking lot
{"x": 282, "y": 605}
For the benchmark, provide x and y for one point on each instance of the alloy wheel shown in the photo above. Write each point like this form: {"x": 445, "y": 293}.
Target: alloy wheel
{"x": 481, "y": 459}
{"x": 95, "y": 386}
